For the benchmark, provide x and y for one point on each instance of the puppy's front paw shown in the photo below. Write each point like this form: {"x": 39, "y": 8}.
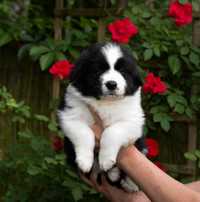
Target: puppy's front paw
{"x": 128, "y": 185}
{"x": 85, "y": 162}
{"x": 107, "y": 159}
{"x": 114, "y": 174}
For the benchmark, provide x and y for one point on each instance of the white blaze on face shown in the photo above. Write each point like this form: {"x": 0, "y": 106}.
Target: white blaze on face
{"x": 112, "y": 53}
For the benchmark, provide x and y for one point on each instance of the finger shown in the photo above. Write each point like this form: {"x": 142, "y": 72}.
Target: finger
{"x": 95, "y": 115}
{"x": 108, "y": 187}
{"x": 97, "y": 130}
{"x": 86, "y": 180}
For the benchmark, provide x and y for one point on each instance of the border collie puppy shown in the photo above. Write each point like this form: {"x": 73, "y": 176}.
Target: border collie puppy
{"x": 106, "y": 79}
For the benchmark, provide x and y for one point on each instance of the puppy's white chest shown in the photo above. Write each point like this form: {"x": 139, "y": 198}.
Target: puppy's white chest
{"x": 109, "y": 114}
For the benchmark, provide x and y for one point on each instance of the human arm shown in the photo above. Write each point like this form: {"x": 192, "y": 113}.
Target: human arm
{"x": 194, "y": 186}
{"x": 157, "y": 185}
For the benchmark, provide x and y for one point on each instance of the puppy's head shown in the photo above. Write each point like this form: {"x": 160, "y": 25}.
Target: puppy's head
{"x": 105, "y": 70}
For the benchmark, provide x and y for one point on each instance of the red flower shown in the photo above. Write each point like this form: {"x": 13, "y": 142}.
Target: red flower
{"x": 152, "y": 147}
{"x": 161, "y": 166}
{"x": 182, "y": 13}
{"x": 122, "y": 30}
{"x": 61, "y": 69}
{"x": 57, "y": 143}
{"x": 154, "y": 84}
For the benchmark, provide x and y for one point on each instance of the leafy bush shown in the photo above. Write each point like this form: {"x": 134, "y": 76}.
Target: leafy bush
{"x": 32, "y": 170}
{"x": 160, "y": 47}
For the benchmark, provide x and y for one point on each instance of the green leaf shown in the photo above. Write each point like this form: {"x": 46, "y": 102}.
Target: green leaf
{"x": 181, "y": 100}
{"x": 60, "y": 56}
{"x": 184, "y": 50}
{"x": 60, "y": 157}
{"x": 74, "y": 53}
{"x": 77, "y": 193}
{"x": 188, "y": 112}
{"x": 52, "y": 127}
{"x": 24, "y": 134}
{"x": 4, "y": 38}
{"x": 183, "y": 1}
{"x": 156, "y": 50}
{"x": 23, "y": 51}
{"x": 171, "y": 99}
{"x": 61, "y": 45}
{"x": 146, "y": 14}
{"x": 135, "y": 10}
{"x": 179, "y": 42}
{"x": 179, "y": 108}
{"x": 113, "y": 2}
{"x": 145, "y": 130}
{"x": 165, "y": 125}
{"x": 51, "y": 161}
{"x": 197, "y": 153}
{"x": 157, "y": 117}
{"x": 37, "y": 51}
{"x": 35, "y": 144}
{"x": 46, "y": 60}
{"x": 190, "y": 156}
{"x": 71, "y": 173}
{"x": 135, "y": 55}
{"x": 197, "y": 74}
{"x": 174, "y": 63}
{"x": 18, "y": 119}
{"x": 195, "y": 6}
{"x": 194, "y": 59}
{"x": 157, "y": 109}
{"x": 41, "y": 118}
{"x": 12, "y": 103}
{"x": 148, "y": 53}
{"x": 33, "y": 170}
{"x": 70, "y": 182}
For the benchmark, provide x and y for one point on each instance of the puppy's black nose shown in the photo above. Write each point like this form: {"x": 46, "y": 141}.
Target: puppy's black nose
{"x": 111, "y": 85}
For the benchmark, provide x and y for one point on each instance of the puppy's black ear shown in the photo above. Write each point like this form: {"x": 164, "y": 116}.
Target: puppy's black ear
{"x": 136, "y": 77}
{"x": 75, "y": 74}
{"x": 84, "y": 60}
{"x": 79, "y": 69}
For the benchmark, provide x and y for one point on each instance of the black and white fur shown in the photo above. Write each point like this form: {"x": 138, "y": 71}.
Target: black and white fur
{"x": 105, "y": 78}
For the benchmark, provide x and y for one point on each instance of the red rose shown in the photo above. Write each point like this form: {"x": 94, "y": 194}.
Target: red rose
{"x": 57, "y": 143}
{"x": 152, "y": 147}
{"x": 61, "y": 69}
{"x": 182, "y": 13}
{"x": 122, "y": 30}
{"x": 161, "y": 166}
{"x": 154, "y": 84}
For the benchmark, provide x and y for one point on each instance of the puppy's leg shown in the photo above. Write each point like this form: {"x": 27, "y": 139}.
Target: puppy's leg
{"x": 82, "y": 137}
{"x": 114, "y": 174}
{"x": 128, "y": 185}
{"x": 113, "y": 138}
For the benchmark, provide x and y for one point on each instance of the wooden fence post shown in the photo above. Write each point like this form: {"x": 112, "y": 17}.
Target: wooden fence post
{"x": 193, "y": 129}
{"x": 101, "y": 30}
{"x": 59, "y": 4}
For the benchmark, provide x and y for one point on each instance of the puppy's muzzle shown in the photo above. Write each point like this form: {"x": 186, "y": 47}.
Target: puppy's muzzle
{"x": 111, "y": 85}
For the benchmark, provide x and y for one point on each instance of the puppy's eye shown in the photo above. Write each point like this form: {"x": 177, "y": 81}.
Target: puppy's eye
{"x": 120, "y": 64}
{"x": 101, "y": 67}
{"x": 118, "y": 67}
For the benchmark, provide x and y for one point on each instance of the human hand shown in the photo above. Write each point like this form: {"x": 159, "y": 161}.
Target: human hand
{"x": 97, "y": 127}
{"x": 112, "y": 193}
